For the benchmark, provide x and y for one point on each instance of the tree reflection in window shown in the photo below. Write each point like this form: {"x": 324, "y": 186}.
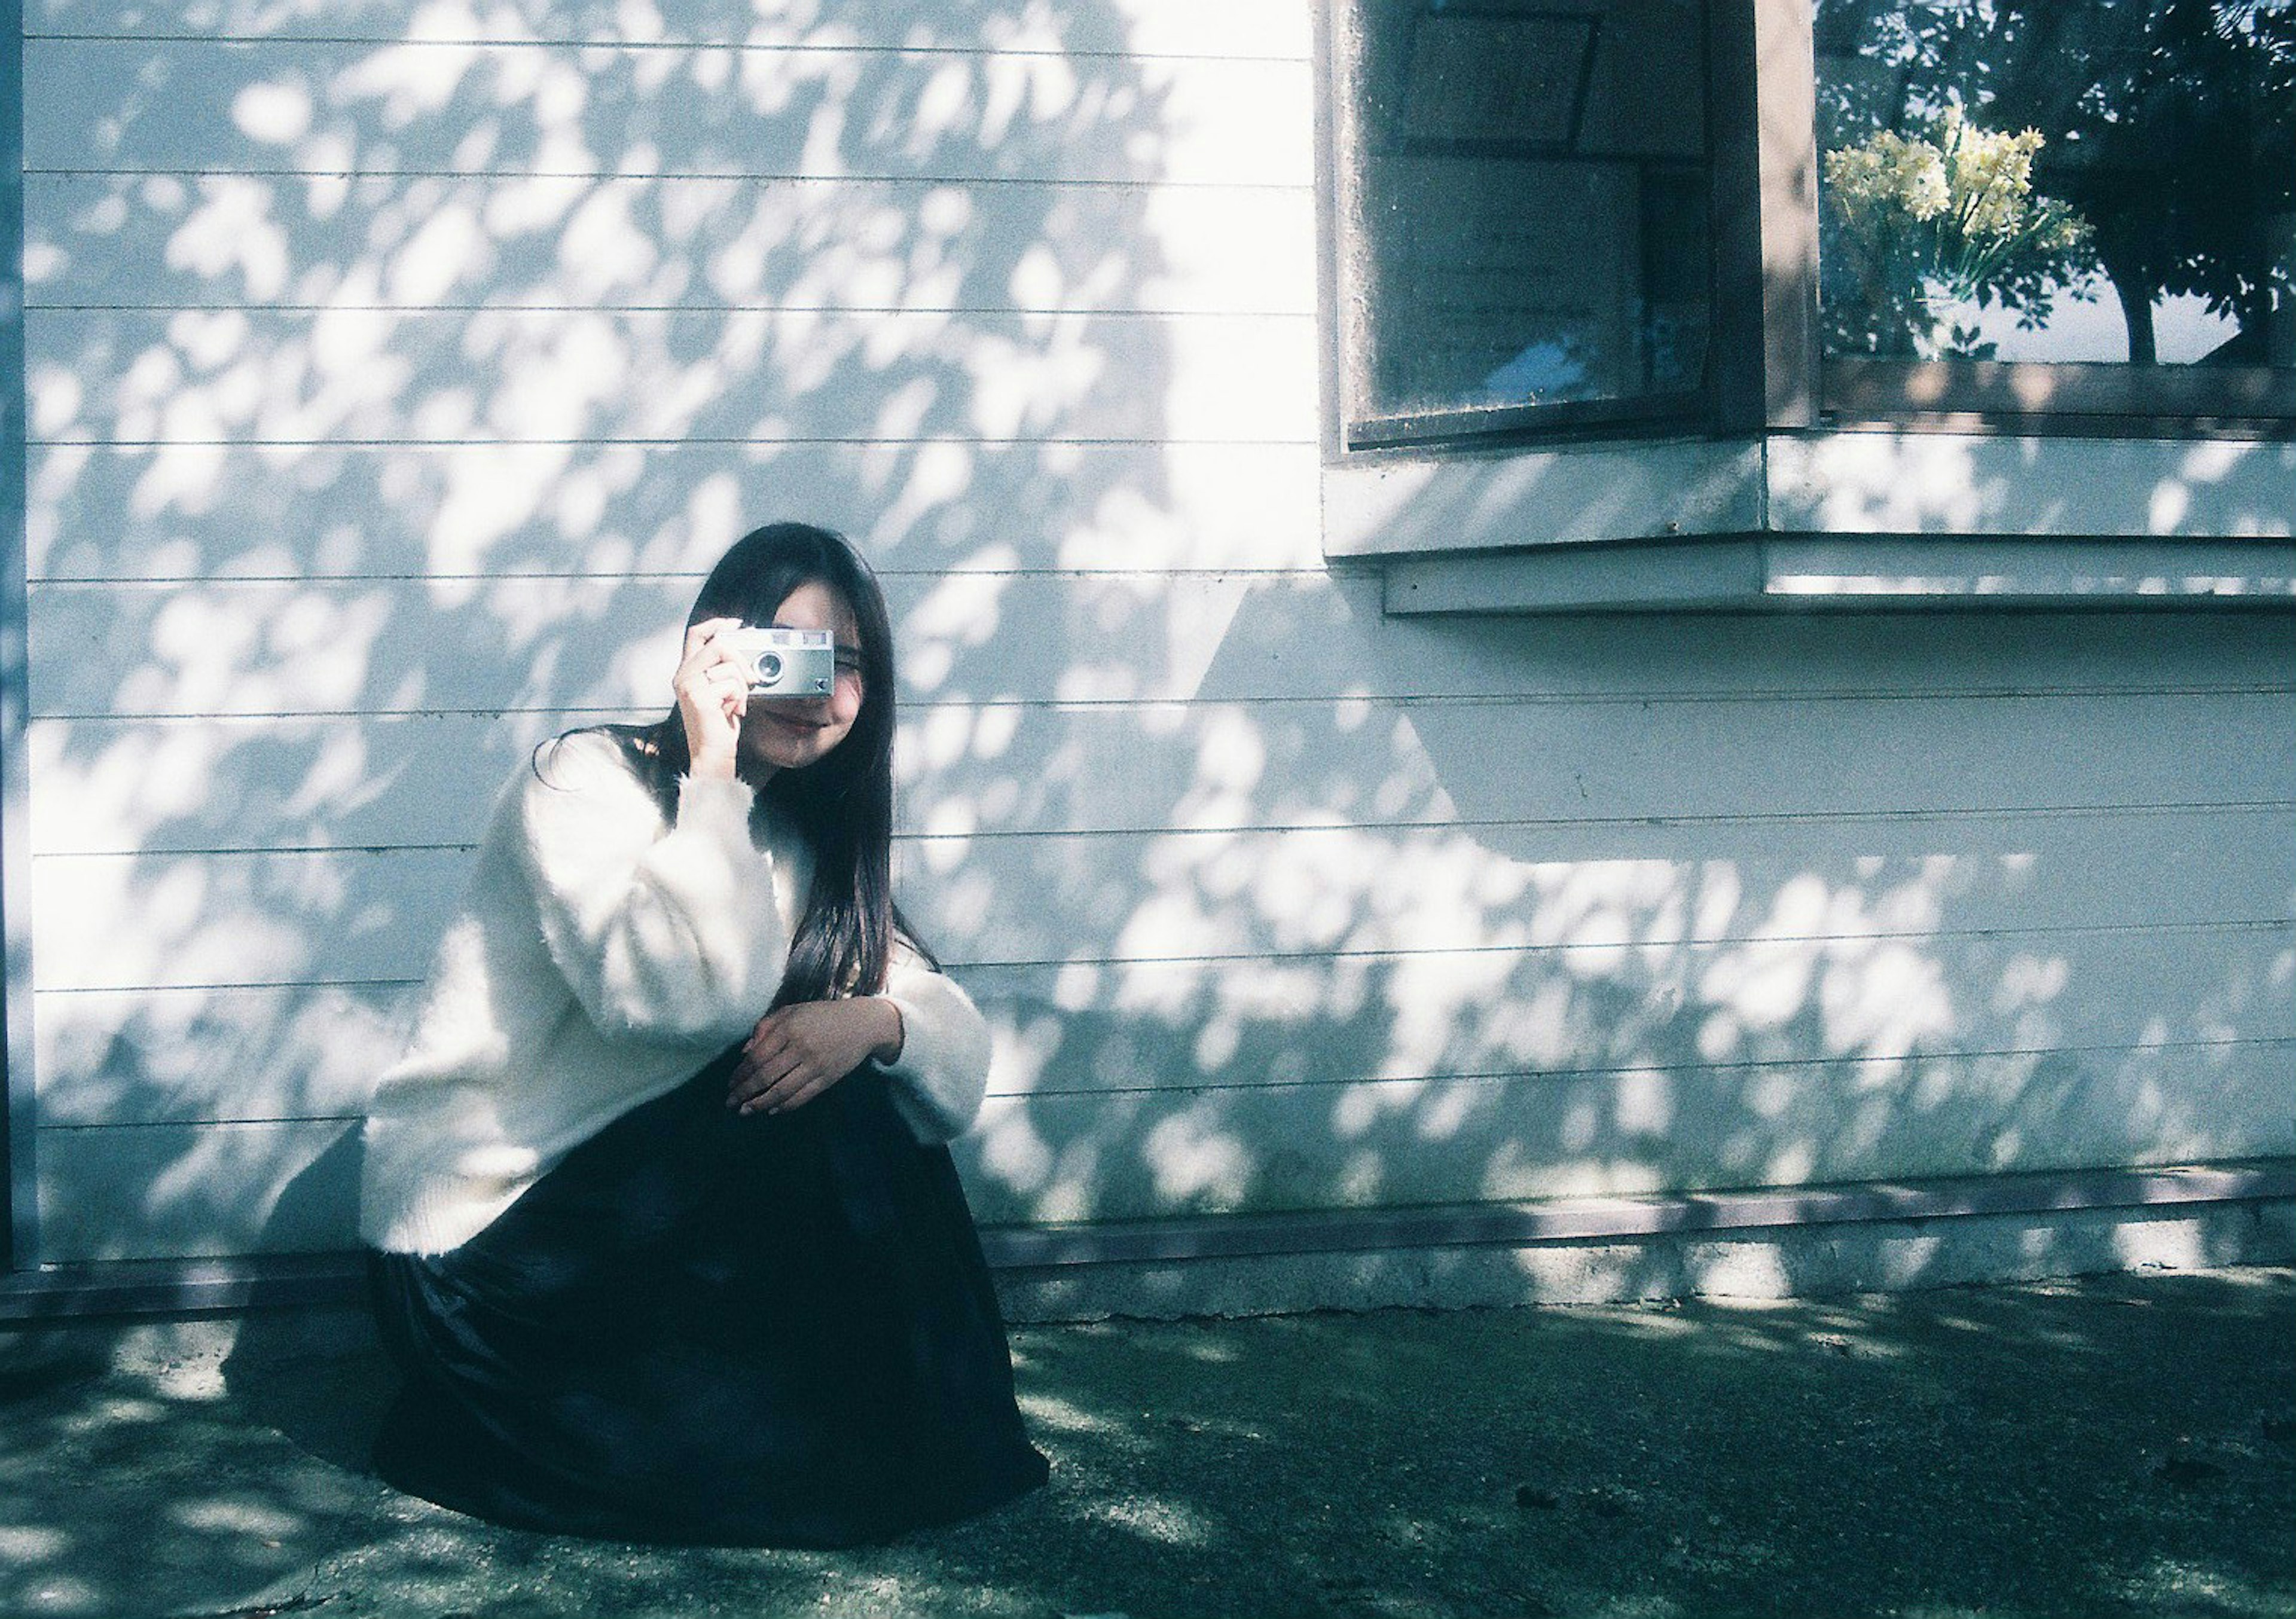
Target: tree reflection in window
{"x": 2129, "y": 166}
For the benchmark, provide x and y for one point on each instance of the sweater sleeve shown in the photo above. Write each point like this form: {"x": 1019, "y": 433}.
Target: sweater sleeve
{"x": 942, "y": 1072}
{"x": 664, "y": 933}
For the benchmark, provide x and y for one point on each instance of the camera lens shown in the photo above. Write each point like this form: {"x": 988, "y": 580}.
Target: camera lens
{"x": 769, "y": 668}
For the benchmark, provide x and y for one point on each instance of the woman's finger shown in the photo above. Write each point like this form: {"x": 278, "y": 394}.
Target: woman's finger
{"x": 778, "y": 1080}
{"x": 771, "y": 1035}
{"x": 700, "y": 635}
{"x": 751, "y": 1081}
{"x": 793, "y": 1095}
{"x": 774, "y": 1097}
{"x": 705, "y": 650}
{"x": 766, "y": 1057}
{"x": 713, "y": 665}
{"x": 793, "y": 1088}
{"x": 722, "y": 686}
{"x": 796, "y": 1052}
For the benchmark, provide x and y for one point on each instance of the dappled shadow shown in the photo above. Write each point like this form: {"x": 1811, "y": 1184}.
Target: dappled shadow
{"x": 1652, "y": 926}
{"x": 395, "y": 436}
{"x": 138, "y": 1485}
{"x": 359, "y": 467}
{"x": 2111, "y": 1448}
{"x": 359, "y": 485}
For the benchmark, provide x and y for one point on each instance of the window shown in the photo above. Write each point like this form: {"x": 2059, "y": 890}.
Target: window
{"x": 2072, "y": 207}
{"x": 1597, "y": 216}
{"x": 1524, "y": 194}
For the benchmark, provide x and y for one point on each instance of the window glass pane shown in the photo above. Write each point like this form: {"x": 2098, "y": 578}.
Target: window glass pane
{"x": 1524, "y": 214}
{"x": 2059, "y": 180}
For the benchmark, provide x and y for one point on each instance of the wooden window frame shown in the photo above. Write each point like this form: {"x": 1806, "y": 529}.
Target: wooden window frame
{"x": 1354, "y": 431}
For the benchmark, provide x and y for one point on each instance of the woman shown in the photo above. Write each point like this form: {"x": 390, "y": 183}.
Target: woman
{"x": 662, "y": 1231}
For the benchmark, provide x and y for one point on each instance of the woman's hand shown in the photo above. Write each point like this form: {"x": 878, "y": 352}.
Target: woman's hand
{"x": 798, "y": 1052}
{"x": 713, "y": 694}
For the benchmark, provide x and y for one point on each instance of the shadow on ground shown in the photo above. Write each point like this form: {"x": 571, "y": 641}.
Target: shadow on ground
{"x": 2124, "y": 1446}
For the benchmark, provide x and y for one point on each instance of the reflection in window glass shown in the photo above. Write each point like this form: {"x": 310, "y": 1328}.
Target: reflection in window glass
{"x": 1525, "y": 214}
{"x": 2059, "y": 180}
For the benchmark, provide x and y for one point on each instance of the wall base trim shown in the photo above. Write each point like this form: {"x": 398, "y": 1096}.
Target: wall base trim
{"x": 1581, "y": 1219}
{"x": 1397, "y": 1255}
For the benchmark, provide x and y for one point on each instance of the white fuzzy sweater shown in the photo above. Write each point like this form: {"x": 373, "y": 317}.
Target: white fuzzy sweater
{"x": 600, "y": 957}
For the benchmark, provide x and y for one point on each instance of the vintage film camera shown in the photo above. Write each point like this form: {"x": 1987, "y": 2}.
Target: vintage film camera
{"x": 786, "y": 663}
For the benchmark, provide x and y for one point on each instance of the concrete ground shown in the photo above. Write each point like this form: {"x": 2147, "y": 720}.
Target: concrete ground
{"x": 2118, "y": 1446}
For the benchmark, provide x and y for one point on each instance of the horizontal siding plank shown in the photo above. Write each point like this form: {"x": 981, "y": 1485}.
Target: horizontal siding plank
{"x": 1409, "y": 1143}
{"x": 158, "y": 787}
{"x": 1185, "y": 28}
{"x": 527, "y": 642}
{"x": 656, "y": 240}
{"x": 992, "y": 766}
{"x": 1416, "y": 1142}
{"x": 296, "y": 915}
{"x": 138, "y": 922}
{"x": 183, "y": 1192}
{"x": 1251, "y": 1023}
{"x": 329, "y": 106}
{"x": 116, "y": 787}
{"x": 123, "y": 787}
{"x": 742, "y": 376}
{"x": 133, "y": 921}
{"x": 185, "y": 511}
{"x": 535, "y": 636}
{"x": 1218, "y": 896}
{"x": 293, "y": 1050}
{"x": 133, "y": 1192}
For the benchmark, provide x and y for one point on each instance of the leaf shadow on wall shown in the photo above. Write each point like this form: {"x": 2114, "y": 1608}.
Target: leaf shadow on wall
{"x": 363, "y": 462}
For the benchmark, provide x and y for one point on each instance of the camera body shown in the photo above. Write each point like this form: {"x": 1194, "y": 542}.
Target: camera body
{"x": 784, "y": 662}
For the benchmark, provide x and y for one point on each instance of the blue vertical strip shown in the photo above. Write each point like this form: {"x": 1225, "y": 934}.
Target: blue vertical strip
{"x": 16, "y": 1125}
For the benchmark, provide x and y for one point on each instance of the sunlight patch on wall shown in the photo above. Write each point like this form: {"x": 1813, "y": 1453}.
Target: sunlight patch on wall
{"x": 1195, "y": 1161}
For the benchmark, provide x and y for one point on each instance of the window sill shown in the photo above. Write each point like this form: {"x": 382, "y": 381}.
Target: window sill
{"x": 1892, "y": 520}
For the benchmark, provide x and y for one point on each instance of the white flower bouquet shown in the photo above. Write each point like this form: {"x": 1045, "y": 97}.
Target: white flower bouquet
{"x": 1949, "y": 216}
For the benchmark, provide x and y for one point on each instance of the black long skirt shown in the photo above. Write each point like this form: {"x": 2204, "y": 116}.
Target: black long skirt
{"x": 706, "y": 1329}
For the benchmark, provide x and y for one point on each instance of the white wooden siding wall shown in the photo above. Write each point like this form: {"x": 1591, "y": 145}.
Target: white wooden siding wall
{"x": 395, "y": 370}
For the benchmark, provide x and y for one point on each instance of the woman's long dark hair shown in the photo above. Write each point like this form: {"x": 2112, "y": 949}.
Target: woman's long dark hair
{"x": 842, "y": 803}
